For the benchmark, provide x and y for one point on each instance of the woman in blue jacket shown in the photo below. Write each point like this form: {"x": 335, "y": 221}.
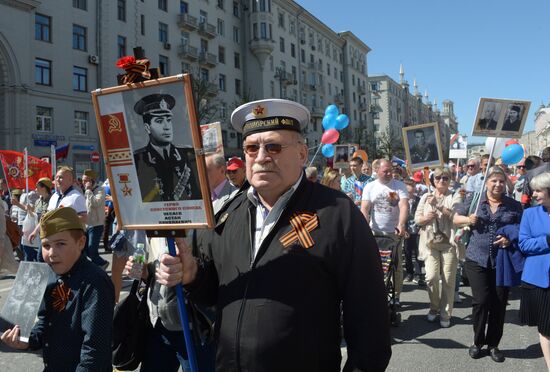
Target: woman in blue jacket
{"x": 534, "y": 242}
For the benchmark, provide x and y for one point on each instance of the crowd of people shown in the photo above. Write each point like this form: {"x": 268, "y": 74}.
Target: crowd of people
{"x": 293, "y": 259}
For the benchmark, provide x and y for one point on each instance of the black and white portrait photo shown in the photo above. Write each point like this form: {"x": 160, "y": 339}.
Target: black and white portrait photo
{"x": 422, "y": 145}
{"x": 500, "y": 117}
{"x": 165, "y": 171}
{"x": 155, "y": 160}
{"x": 341, "y": 156}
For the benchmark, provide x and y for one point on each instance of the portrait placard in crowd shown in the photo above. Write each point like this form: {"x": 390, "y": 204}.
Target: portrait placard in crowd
{"x": 500, "y": 117}
{"x": 341, "y": 156}
{"x": 151, "y": 139}
{"x": 422, "y": 145}
{"x": 212, "y": 138}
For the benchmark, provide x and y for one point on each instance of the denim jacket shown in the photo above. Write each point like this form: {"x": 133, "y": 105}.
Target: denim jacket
{"x": 480, "y": 248}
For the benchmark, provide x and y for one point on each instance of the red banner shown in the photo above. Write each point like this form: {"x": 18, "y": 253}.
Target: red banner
{"x": 13, "y": 163}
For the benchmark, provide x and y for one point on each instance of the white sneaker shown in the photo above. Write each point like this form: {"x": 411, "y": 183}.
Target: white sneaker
{"x": 431, "y": 317}
{"x": 445, "y": 323}
{"x": 457, "y": 298}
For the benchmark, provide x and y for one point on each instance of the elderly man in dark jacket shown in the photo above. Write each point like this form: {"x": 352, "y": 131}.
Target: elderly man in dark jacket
{"x": 283, "y": 257}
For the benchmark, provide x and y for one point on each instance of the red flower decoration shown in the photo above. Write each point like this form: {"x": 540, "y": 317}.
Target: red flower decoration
{"x": 125, "y": 62}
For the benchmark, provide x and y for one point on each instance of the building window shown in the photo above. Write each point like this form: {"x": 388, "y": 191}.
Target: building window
{"x": 282, "y": 44}
{"x": 81, "y": 123}
{"x": 281, "y": 19}
{"x": 293, "y": 50}
{"x": 221, "y": 54}
{"x": 203, "y": 17}
{"x": 185, "y": 67}
{"x": 236, "y": 12}
{"x": 163, "y": 65}
{"x": 236, "y": 34}
{"x": 80, "y": 4}
{"x": 263, "y": 30}
{"x": 79, "y": 37}
{"x": 221, "y": 81}
{"x": 80, "y": 79}
{"x": 204, "y": 74}
{"x": 142, "y": 24}
{"x": 121, "y": 10}
{"x": 121, "y": 45}
{"x": 237, "y": 60}
{"x": 184, "y": 7}
{"x": 255, "y": 31}
{"x": 221, "y": 27}
{"x": 43, "y": 71}
{"x": 44, "y": 119}
{"x": 163, "y": 32}
{"x": 163, "y": 5}
{"x": 237, "y": 87}
{"x": 42, "y": 27}
{"x": 221, "y": 4}
{"x": 223, "y": 110}
{"x": 303, "y": 56}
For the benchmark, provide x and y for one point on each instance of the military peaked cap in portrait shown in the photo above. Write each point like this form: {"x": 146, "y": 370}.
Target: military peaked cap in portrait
{"x": 155, "y": 105}
{"x": 515, "y": 108}
{"x": 58, "y": 220}
{"x": 269, "y": 114}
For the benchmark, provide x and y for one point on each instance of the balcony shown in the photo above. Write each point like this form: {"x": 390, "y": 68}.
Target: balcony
{"x": 208, "y": 59}
{"x": 339, "y": 98}
{"x": 285, "y": 78}
{"x": 363, "y": 106}
{"x": 208, "y": 30}
{"x": 317, "y": 112}
{"x": 187, "y": 22}
{"x": 362, "y": 90}
{"x": 316, "y": 66}
{"x": 188, "y": 52}
{"x": 212, "y": 90}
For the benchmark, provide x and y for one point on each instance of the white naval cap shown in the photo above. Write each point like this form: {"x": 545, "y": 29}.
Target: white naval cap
{"x": 269, "y": 114}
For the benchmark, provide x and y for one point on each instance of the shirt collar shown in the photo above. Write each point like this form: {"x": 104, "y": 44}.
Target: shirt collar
{"x": 66, "y": 191}
{"x": 160, "y": 149}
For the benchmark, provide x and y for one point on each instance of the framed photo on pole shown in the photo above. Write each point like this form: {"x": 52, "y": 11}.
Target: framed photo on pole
{"x": 423, "y": 146}
{"x": 500, "y": 117}
{"x": 154, "y": 154}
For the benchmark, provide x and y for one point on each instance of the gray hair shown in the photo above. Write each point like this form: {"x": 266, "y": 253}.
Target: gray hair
{"x": 218, "y": 160}
{"x": 541, "y": 181}
{"x": 311, "y": 172}
{"x": 496, "y": 171}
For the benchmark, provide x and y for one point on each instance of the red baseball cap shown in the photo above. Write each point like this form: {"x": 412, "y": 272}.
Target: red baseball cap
{"x": 235, "y": 163}
{"x": 417, "y": 176}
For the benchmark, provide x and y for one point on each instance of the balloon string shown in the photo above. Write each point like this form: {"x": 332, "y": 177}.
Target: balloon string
{"x": 316, "y": 152}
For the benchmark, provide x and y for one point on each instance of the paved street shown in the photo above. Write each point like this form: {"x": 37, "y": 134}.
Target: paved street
{"x": 418, "y": 345}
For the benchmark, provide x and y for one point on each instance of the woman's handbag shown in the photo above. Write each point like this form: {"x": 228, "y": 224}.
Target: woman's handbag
{"x": 462, "y": 234}
{"x": 130, "y": 324}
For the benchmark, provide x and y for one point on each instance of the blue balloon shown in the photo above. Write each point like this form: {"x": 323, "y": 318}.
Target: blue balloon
{"x": 329, "y": 121}
{"x": 342, "y": 121}
{"x": 332, "y": 110}
{"x": 327, "y": 150}
{"x": 512, "y": 154}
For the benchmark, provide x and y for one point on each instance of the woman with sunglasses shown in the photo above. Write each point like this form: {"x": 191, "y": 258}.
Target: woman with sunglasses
{"x": 494, "y": 228}
{"x": 435, "y": 214}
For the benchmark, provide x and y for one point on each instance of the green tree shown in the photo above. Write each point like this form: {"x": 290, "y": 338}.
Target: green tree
{"x": 207, "y": 102}
{"x": 389, "y": 144}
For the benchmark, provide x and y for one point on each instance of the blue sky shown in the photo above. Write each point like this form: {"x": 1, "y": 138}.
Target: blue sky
{"x": 459, "y": 50}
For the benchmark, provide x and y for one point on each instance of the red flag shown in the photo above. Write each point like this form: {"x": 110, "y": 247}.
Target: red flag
{"x": 13, "y": 163}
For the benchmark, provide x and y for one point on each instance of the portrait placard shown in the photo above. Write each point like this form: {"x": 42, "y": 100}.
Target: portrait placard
{"x": 458, "y": 146}
{"x": 422, "y": 145}
{"x": 151, "y": 141}
{"x": 23, "y": 303}
{"x": 341, "y": 157}
{"x": 500, "y": 117}
{"x": 212, "y": 138}
{"x": 352, "y": 148}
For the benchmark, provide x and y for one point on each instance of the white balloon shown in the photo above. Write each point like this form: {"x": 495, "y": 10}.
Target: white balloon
{"x": 500, "y": 144}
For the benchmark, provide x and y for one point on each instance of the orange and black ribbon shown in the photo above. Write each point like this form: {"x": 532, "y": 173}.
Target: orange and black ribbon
{"x": 302, "y": 224}
{"x": 135, "y": 70}
{"x": 60, "y": 295}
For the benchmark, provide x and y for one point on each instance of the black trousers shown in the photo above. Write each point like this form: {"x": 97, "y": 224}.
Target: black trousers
{"x": 413, "y": 265}
{"x": 488, "y": 304}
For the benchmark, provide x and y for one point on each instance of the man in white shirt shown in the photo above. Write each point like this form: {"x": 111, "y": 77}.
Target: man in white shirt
{"x": 385, "y": 205}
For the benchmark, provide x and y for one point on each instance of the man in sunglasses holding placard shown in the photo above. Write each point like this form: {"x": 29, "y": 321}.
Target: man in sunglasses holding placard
{"x": 285, "y": 253}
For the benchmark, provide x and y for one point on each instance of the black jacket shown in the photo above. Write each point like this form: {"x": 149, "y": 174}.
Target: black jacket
{"x": 281, "y": 312}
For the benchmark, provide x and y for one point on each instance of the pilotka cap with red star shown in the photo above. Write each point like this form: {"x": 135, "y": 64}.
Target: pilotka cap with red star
{"x": 269, "y": 114}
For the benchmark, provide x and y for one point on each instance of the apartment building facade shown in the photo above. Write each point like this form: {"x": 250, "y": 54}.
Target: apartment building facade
{"x": 52, "y": 56}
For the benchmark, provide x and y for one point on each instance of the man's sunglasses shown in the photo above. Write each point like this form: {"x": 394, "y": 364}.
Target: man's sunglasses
{"x": 270, "y": 148}
{"x": 439, "y": 178}
{"x": 520, "y": 166}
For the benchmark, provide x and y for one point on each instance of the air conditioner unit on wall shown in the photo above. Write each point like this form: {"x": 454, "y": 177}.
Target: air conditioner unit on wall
{"x": 93, "y": 59}
{"x": 167, "y": 46}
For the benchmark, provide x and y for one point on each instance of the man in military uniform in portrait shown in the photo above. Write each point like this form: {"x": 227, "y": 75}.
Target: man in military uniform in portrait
{"x": 165, "y": 172}
{"x": 422, "y": 151}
